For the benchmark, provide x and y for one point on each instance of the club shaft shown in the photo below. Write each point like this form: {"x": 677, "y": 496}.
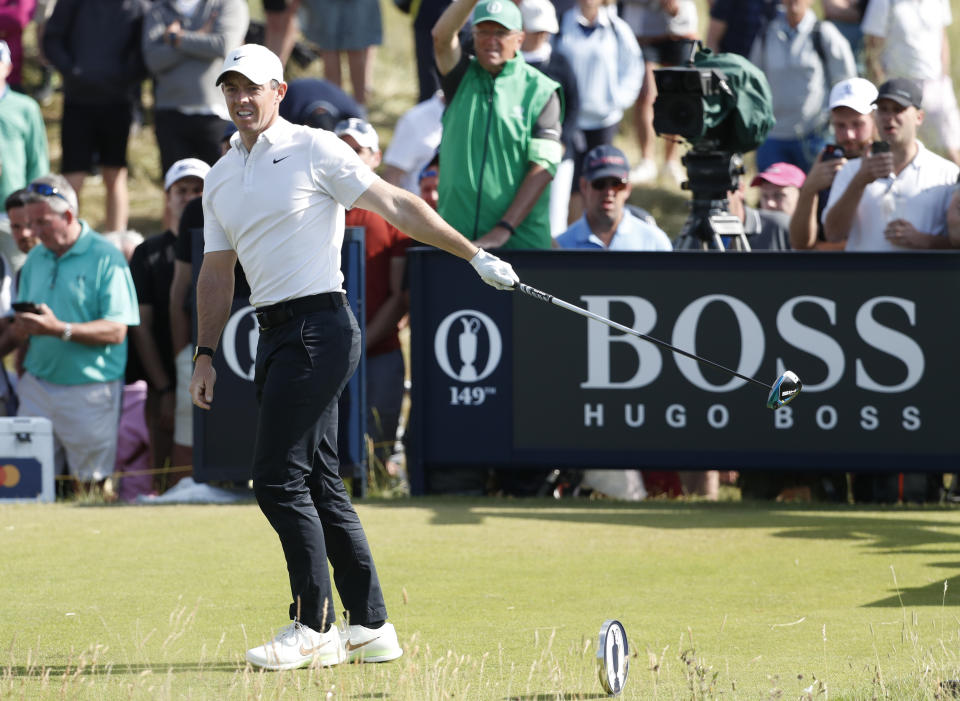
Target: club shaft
{"x": 546, "y": 297}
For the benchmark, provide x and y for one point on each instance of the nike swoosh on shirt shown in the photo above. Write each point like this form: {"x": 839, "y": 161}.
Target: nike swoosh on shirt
{"x": 351, "y": 647}
{"x": 277, "y": 160}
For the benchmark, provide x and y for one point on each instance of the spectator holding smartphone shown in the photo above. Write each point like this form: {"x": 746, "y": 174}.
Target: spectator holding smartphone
{"x": 888, "y": 201}
{"x": 854, "y": 129}
{"x": 78, "y": 334}
{"x": 909, "y": 40}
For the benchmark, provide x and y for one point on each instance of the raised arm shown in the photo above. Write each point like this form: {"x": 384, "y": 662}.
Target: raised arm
{"x": 446, "y": 43}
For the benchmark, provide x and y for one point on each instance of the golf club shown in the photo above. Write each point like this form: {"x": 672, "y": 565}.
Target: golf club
{"x": 783, "y": 391}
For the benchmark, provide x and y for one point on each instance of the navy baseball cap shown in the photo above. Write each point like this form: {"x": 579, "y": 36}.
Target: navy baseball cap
{"x": 605, "y": 162}
{"x": 903, "y": 91}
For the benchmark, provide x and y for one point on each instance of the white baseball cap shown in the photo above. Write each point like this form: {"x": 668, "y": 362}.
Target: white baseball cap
{"x": 185, "y": 168}
{"x": 539, "y": 16}
{"x": 362, "y": 132}
{"x": 856, "y": 93}
{"x": 256, "y": 62}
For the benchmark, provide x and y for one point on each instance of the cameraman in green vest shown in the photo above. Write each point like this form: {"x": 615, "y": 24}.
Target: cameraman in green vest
{"x": 501, "y": 130}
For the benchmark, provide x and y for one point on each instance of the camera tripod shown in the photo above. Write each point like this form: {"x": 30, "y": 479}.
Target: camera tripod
{"x": 712, "y": 175}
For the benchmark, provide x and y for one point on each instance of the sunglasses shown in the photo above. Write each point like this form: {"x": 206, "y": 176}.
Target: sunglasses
{"x": 352, "y": 124}
{"x": 484, "y": 34}
{"x": 46, "y": 190}
{"x": 603, "y": 184}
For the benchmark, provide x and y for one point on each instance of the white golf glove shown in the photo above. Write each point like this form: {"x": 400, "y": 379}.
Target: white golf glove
{"x": 494, "y": 271}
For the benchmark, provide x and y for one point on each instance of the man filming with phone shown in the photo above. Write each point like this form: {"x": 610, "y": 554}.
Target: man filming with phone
{"x": 854, "y": 129}
{"x": 895, "y": 199}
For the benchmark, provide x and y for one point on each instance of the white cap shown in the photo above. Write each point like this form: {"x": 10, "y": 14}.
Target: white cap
{"x": 361, "y": 131}
{"x": 258, "y": 63}
{"x": 856, "y": 93}
{"x": 185, "y": 168}
{"x": 539, "y": 16}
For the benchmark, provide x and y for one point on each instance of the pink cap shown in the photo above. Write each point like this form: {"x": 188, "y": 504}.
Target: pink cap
{"x": 782, "y": 174}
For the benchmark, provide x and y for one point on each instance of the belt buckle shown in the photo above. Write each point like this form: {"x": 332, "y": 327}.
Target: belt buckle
{"x": 274, "y": 317}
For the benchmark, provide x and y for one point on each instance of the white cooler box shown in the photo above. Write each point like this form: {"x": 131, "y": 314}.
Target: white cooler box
{"x": 26, "y": 459}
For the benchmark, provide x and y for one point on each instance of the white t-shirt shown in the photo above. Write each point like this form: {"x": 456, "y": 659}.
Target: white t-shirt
{"x": 913, "y": 35}
{"x": 415, "y": 141}
{"x": 281, "y": 208}
{"x": 920, "y": 194}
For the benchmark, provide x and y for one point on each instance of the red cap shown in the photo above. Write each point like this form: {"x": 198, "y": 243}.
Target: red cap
{"x": 782, "y": 174}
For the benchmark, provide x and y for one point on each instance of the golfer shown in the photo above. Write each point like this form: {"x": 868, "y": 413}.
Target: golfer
{"x": 276, "y": 202}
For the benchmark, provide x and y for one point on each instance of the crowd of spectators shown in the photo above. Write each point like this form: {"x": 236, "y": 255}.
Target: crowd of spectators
{"x": 842, "y": 168}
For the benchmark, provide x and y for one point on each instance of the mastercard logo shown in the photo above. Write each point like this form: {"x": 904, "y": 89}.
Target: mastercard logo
{"x": 9, "y": 476}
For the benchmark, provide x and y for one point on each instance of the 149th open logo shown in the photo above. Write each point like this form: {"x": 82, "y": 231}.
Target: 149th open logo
{"x": 468, "y": 348}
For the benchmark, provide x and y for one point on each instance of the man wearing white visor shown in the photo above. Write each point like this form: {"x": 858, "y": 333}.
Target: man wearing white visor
{"x": 276, "y": 202}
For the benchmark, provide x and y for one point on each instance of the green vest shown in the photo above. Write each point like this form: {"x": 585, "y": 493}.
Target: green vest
{"x": 485, "y": 152}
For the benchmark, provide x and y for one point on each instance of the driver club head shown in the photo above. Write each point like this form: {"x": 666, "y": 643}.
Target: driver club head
{"x": 784, "y": 390}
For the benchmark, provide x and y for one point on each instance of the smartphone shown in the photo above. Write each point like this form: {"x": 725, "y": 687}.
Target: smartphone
{"x": 832, "y": 152}
{"x": 880, "y": 147}
{"x": 26, "y": 307}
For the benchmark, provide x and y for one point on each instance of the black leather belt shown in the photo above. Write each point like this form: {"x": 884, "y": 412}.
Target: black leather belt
{"x": 274, "y": 315}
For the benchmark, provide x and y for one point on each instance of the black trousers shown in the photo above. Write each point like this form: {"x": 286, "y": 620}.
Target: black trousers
{"x": 187, "y": 136}
{"x": 301, "y": 368}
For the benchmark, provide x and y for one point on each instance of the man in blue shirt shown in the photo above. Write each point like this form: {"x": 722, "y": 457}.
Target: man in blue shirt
{"x": 606, "y": 223}
{"x": 83, "y": 301}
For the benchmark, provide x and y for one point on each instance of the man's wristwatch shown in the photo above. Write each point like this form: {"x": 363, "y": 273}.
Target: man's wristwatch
{"x": 67, "y": 332}
{"x": 202, "y": 350}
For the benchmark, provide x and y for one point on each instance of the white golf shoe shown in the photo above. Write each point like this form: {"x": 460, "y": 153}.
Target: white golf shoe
{"x": 371, "y": 644}
{"x": 296, "y": 645}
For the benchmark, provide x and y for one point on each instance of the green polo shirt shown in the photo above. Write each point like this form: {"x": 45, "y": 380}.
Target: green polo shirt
{"x": 23, "y": 141}
{"x": 91, "y": 281}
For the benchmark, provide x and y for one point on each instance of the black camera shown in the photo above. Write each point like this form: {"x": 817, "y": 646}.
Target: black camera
{"x": 721, "y": 104}
{"x": 680, "y": 108}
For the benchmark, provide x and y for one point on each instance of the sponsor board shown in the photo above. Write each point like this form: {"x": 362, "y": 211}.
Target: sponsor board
{"x": 870, "y": 335}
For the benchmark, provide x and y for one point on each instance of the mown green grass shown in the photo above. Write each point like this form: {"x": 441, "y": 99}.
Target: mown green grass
{"x": 492, "y": 600}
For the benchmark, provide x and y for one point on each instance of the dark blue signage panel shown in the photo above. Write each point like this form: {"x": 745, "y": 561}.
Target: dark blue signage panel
{"x": 502, "y": 379}
{"x": 224, "y": 437}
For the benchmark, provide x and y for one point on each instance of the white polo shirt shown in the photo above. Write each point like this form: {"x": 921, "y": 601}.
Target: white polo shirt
{"x": 913, "y": 35}
{"x": 920, "y": 194}
{"x": 281, "y": 208}
{"x": 416, "y": 139}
